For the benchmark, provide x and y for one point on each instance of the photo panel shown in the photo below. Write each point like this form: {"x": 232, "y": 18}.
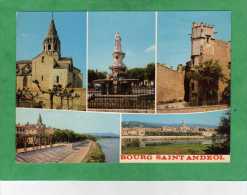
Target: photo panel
{"x": 194, "y": 61}
{"x": 121, "y": 61}
{"x": 174, "y": 138}
{"x": 55, "y": 136}
{"x": 51, "y": 60}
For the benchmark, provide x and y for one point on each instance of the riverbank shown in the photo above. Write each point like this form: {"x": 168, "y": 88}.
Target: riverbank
{"x": 95, "y": 154}
{"x": 110, "y": 147}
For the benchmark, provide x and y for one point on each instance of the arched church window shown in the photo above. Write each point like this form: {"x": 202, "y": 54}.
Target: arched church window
{"x": 42, "y": 59}
{"x": 24, "y": 82}
{"x": 49, "y": 47}
{"x": 42, "y": 78}
{"x": 57, "y": 79}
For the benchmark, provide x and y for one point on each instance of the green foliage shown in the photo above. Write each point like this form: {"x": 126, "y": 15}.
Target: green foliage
{"x": 137, "y": 73}
{"x": 69, "y": 136}
{"x": 208, "y": 72}
{"x": 225, "y": 126}
{"x": 146, "y": 73}
{"x": 94, "y": 75}
{"x": 222, "y": 130}
{"x": 208, "y": 76}
{"x": 96, "y": 154}
{"x": 186, "y": 149}
{"x": 227, "y": 93}
{"x": 133, "y": 143}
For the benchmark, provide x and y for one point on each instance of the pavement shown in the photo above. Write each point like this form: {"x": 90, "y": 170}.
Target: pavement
{"x": 80, "y": 152}
{"x": 58, "y": 153}
{"x": 180, "y": 109}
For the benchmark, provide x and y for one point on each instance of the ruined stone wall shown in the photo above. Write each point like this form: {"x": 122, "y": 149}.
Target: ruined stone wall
{"x": 170, "y": 85}
{"x": 222, "y": 53}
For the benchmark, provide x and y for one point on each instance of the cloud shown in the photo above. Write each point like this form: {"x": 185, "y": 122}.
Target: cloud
{"x": 150, "y": 49}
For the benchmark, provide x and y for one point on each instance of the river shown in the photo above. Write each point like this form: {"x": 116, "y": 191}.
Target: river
{"x": 203, "y": 141}
{"x": 110, "y": 147}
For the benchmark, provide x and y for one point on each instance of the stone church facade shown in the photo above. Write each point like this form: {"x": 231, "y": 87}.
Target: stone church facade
{"x": 48, "y": 70}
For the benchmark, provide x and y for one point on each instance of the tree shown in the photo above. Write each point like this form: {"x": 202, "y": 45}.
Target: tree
{"x": 94, "y": 75}
{"x": 136, "y": 73}
{"x": 227, "y": 93}
{"x": 150, "y": 72}
{"x": 146, "y": 73}
{"x": 223, "y": 130}
{"x": 208, "y": 76}
{"x": 57, "y": 90}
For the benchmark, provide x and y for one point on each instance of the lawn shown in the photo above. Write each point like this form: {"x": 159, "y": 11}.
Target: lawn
{"x": 167, "y": 149}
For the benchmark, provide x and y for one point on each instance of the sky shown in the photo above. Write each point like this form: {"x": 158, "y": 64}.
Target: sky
{"x": 32, "y": 28}
{"x": 206, "y": 118}
{"x": 81, "y": 122}
{"x": 137, "y": 30}
{"x": 174, "y": 45}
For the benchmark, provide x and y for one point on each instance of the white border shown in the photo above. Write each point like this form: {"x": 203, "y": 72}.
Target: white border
{"x": 123, "y": 187}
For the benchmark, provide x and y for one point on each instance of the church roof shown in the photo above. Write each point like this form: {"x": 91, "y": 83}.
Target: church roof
{"x": 24, "y": 62}
{"x": 52, "y": 31}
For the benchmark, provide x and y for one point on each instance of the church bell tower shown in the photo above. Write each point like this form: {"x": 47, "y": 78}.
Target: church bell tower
{"x": 51, "y": 44}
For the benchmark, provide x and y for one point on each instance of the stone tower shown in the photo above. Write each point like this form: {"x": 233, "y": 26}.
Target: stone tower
{"x": 51, "y": 43}
{"x": 205, "y": 48}
{"x": 201, "y": 42}
{"x": 118, "y": 67}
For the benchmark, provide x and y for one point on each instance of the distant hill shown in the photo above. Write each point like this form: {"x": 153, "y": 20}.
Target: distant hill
{"x": 109, "y": 135}
{"x": 130, "y": 124}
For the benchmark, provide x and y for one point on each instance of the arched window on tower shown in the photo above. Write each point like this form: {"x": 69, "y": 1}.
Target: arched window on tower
{"x": 49, "y": 47}
{"x": 42, "y": 59}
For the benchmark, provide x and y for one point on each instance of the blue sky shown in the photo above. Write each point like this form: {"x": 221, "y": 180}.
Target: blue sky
{"x": 84, "y": 122}
{"x": 174, "y": 29}
{"x": 206, "y": 118}
{"x": 137, "y": 30}
{"x": 32, "y": 27}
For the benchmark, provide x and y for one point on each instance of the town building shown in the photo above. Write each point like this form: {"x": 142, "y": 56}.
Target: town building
{"x": 33, "y": 134}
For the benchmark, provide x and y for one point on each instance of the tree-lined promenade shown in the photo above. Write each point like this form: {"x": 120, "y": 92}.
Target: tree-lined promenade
{"x": 64, "y": 146}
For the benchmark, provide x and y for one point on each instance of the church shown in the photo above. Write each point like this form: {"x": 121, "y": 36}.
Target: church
{"x": 49, "y": 70}
{"x": 48, "y": 67}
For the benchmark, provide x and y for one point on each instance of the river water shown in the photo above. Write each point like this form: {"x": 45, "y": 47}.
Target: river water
{"x": 203, "y": 141}
{"x": 110, "y": 147}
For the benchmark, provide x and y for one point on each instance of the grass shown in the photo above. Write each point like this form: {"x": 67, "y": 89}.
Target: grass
{"x": 95, "y": 154}
{"x": 168, "y": 149}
